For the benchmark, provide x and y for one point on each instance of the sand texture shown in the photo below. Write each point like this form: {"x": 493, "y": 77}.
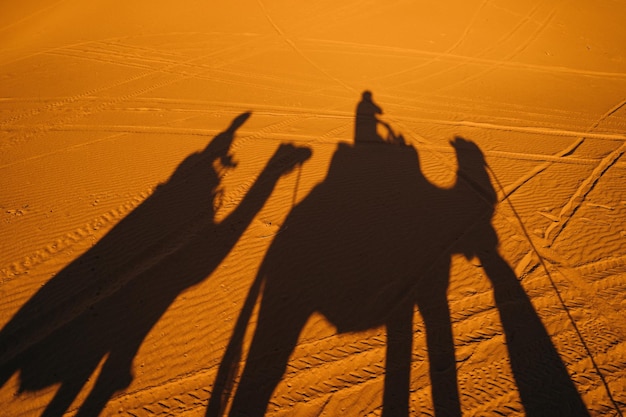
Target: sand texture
{"x": 324, "y": 208}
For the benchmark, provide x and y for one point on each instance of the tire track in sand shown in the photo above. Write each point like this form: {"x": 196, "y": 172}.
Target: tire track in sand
{"x": 553, "y": 231}
{"x": 529, "y": 17}
{"x": 103, "y": 104}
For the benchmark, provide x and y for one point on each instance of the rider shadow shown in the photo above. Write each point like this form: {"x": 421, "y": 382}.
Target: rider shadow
{"x": 373, "y": 240}
{"x": 102, "y": 305}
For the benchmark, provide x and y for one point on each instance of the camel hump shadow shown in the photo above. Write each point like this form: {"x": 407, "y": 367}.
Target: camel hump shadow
{"x": 369, "y": 243}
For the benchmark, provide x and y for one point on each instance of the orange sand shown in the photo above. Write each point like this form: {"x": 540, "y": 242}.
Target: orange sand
{"x": 146, "y": 219}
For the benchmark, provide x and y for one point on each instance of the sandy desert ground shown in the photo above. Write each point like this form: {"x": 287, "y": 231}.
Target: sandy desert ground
{"x": 203, "y": 211}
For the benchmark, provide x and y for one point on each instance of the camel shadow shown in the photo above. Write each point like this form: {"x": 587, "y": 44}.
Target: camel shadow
{"x": 369, "y": 243}
{"x": 105, "y": 302}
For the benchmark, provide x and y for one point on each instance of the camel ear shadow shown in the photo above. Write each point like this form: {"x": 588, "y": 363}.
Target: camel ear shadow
{"x": 239, "y": 120}
{"x": 459, "y": 142}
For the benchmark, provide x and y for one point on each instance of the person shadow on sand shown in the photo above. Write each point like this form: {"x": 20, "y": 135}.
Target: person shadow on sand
{"x": 369, "y": 243}
{"x": 103, "y": 304}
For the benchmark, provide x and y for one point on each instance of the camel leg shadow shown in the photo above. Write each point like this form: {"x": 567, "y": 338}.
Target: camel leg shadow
{"x": 398, "y": 363}
{"x": 275, "y": 337}
{"x": 67, "y": 393}
{"x": 543, "y": 382}
{"x": 434, "y": 308}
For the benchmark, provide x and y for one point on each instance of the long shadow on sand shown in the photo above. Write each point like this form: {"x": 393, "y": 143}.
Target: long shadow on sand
{"x": 105, "y": 302}
{"x": 367, "y": 245}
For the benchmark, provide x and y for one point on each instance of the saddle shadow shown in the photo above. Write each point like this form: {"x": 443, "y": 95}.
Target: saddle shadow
{"x": 104, "y": 303}
{"x": 369, "y": 243}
